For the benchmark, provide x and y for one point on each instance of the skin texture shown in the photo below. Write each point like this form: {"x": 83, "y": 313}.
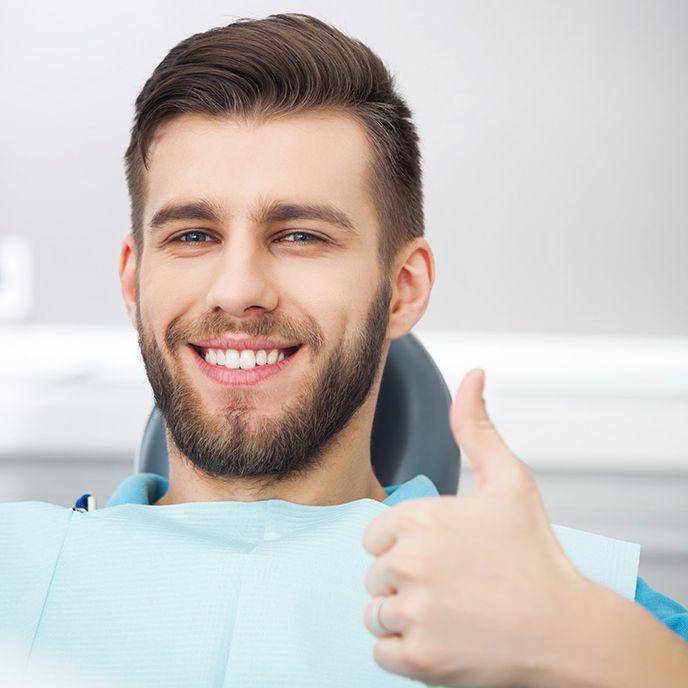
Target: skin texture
{"x": 478, "y": 592}
{"x": 254, "y": 277}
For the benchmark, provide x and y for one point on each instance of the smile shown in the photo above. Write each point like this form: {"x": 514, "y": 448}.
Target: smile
{"x": 242, "y": 367}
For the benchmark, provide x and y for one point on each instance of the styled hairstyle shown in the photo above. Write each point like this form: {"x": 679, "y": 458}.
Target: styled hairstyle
{"x": 286, "y": 64}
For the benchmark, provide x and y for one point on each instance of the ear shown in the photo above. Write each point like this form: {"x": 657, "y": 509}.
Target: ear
{"x": 127, "y": 275}
{"x": 414, "y": 276}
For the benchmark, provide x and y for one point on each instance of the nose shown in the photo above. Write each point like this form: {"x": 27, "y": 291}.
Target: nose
{"x": 242, "y": 281}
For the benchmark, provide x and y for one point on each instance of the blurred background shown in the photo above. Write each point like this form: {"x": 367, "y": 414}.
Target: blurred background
{"x": 556, "y": 166}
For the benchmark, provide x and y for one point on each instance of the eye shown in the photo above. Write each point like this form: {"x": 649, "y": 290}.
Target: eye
{"x": 193, "y": 237}
{"x": 301, "y": 238}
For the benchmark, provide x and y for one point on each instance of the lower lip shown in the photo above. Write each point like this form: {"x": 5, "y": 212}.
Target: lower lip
{"x": 236, "y": 377}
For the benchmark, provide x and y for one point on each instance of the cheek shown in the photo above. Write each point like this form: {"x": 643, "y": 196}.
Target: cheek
{"x": 167, "y": 290}
{"x": 336, "y": 298}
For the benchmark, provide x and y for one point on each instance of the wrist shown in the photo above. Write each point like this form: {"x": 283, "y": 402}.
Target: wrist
{"x": 612, "y": 642}
{"x": 598, "y": 641}
{"x": 573, "y": 637}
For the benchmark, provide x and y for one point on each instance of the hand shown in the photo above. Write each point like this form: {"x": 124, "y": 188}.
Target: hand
{"x": 477, "y": 590}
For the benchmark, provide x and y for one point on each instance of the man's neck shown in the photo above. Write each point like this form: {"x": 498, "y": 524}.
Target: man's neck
{"x": 343, "y": 476}
{"x": 343, "y": 473}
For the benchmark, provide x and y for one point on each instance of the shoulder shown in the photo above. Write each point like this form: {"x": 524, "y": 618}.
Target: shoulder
{"x": 140, "y": 488}
{"x": 420, "y": 486}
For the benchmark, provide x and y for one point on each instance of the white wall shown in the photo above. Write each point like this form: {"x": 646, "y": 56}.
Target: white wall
{"x": 553, "y": 135}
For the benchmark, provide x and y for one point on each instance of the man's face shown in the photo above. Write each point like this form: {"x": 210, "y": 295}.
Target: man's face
{"x": 260, "y": 242}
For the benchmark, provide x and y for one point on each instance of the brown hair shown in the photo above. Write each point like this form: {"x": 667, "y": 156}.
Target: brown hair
{"x": 284, "y": 64}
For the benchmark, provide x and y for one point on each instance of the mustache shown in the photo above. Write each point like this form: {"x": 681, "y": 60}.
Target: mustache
{"x": 217, "y": 324}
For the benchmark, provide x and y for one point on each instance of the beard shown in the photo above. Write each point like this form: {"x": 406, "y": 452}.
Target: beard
{"x": 228, "y": 444}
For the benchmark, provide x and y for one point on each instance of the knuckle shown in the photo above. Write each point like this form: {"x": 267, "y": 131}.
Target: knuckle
{"x": 418, "y": 656}
{"x": 408, "y": 564}
{"x": 377, "y": 574}
{"x": 485, "y": 424}
{"x": 524, "y": 480}
{"x": 414, "y": 609}
{"x": 407, "y": 612}
{"x": 418, "y": 516}
{"x": 399, "y": 566}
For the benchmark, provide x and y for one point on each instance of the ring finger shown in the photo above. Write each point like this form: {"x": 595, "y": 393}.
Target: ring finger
{"x": 382, "y": 617}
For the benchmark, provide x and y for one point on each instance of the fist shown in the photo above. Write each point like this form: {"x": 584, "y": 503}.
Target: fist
{"x": 470, "y": 591}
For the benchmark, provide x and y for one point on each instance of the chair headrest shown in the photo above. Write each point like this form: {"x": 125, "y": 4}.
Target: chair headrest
{"x": 411, "y": 433}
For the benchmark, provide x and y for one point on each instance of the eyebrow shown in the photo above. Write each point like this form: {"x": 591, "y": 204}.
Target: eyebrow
{"x": 267, "y": 213}
{"x": 282, "y": 212}
{"x": 198, "y": 210}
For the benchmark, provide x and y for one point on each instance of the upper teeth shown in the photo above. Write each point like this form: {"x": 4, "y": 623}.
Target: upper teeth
{"x": 245, "y": 359}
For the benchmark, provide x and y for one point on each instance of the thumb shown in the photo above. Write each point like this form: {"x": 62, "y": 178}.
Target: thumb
{"x": 494, "y": 464}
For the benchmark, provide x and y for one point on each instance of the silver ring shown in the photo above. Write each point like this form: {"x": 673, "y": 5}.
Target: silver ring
{"x": 378, "y": 628}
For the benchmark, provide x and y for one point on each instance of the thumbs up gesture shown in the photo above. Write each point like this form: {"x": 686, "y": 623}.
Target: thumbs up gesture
{"x": 475, "y": 590}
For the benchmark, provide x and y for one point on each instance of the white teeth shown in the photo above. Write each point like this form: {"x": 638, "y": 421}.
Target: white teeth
{"x": 245, "y": 359}
{"x": 232, "y": 358}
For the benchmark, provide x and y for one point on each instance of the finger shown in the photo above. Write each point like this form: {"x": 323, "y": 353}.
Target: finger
{"x": 383, "y": 531}
{"x": 494, "y": 464}
{"x": 381, "y": 578}
{"x": 386, "y": 608}
{"x": 391, "y": 654}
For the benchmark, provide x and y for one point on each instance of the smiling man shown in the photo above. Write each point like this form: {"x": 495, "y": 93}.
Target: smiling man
{"x": 276, "y": 250}
{"x": 261, "y": 287}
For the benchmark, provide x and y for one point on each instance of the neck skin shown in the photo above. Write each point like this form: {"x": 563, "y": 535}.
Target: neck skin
{"x": 344, "y": 473}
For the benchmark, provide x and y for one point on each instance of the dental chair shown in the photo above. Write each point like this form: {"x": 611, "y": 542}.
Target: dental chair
{"x": 411, "y": 433}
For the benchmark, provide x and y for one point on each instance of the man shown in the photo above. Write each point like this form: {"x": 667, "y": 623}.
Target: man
{"x": 276, "y": 250}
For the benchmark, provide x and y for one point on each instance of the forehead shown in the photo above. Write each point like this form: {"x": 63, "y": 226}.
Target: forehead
{"x": 314, "y": 157}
